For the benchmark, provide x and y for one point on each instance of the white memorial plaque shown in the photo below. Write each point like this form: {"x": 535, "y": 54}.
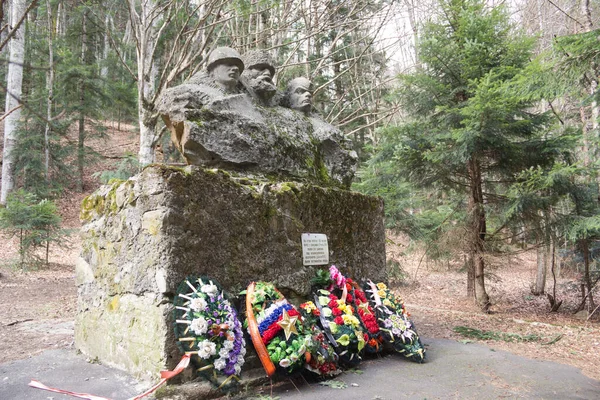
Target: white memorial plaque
{"x": 315, "y": 250}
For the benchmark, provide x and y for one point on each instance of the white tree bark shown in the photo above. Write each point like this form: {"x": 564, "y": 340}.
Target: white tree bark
{"x": 61, "y": 20}
{"x": 104, "y": 69}
{"x": 13, "y": 96}
{"x": 50, "y": 88}
{"x": 144, "y": 28}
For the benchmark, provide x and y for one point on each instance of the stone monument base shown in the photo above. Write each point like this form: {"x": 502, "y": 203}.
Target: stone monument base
{"x": 142, "y": 237}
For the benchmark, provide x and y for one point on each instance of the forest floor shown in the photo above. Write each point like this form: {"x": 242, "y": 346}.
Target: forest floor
{"x": 38, "y": 305}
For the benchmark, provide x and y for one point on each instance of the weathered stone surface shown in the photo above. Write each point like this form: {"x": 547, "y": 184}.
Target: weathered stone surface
{"x": 142, "y": 237}
{"x": 219, "y": 118}
{"x": 234, "y": 133}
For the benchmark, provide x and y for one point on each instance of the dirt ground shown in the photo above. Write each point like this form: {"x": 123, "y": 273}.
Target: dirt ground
{"x": 37, "y": 306}
{"x": 435, "y": 295}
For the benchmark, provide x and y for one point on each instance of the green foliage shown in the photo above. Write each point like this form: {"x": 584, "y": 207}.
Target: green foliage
{"x": 467, "y": 105}
{"x": 321, "y": 279}
{"x": 29, "y": 153}
{"x": 491, "y": 335}
{"x": 79, "y": 93}
{"x": 578, "y": 62}
{"x": 35, "y": 222}
{"x": 126, "y": 168}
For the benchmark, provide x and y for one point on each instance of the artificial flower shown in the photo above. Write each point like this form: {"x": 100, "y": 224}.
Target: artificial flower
{"x": 220, "y": 364}
{"x": 333, "y": 327}
{"x": 396, "y": 328}
{"x": 206, "y": 349}
{"x": 199, "y": 326}
{"x": 336, "y": 276}
{"x": 209, "y": 329}
{"x": 210, "y": 289}
{"x": 285, "y": 363}
{"x": 228, "y": 345}
{"x": 198, "y": 304}
{"x": 269, "y": 309}
{"x": 344, "y": 340}
{"x": 224, "y": 353}
{"x": 351, "y": 320}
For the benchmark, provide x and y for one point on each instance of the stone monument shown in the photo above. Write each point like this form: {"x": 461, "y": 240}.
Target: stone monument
{"x": 264, "y": 169}
{"x": 240, "y": 128}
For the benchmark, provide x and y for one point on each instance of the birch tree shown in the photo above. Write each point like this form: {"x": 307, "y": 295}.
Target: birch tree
{"x": 50, "y": 90}
{"x": 189, "y": 23}
{"x": 13, "y": 94}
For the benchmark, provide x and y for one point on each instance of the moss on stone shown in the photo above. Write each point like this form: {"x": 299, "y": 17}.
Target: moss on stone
{"x": 90, "y": 206}
{"x": 284, "y": 187}
{"x": 113, "y": 304}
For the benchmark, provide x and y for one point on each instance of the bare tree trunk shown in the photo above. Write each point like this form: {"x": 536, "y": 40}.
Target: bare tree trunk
{"x": 478, "y": 232}
{"x": 589, "y": 124}
{"x": 104, "y": 69}
{"x": 5, "y": 14}
{"x": 410, "y": 8}
{"x": 554, "y": 302}
{"x": 587, "y": 14}
{"x": 470, "y": 277}
{"x": 61, "y": 20}
{"x": 143, "y": 25}
{"x": 13, "y": 98}
{"x": 540, "y": 280}
{"x": 50, "y": 89}
{"x": 585, "y": 247}
{"x": 558, "y": 258}
{"x": 47, "y": 247}
{"x": 542, "y": 252}
{"x": 81, "y": 122}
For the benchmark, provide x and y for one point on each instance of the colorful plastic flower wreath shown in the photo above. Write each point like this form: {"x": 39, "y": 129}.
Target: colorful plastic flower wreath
{"x": 324, "y": 360}
{"x": 207, "y": 327}
{"x": 366, "y": 315}
{"x": 276, "y": 329}
{"x": 393, "y": 321}
{"x": 341, "y": 325}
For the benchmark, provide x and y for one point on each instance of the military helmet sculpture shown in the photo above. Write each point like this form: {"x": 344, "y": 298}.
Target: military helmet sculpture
{"x": 222, "y": 55}
{"x": 259, "y": 59}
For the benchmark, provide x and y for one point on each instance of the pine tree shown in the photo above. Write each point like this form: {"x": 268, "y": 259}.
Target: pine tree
{"x": 35, "y": 222}
{"x": 469, "y": 133}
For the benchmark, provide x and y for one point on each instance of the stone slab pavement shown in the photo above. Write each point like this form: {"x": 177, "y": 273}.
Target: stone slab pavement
{"x": 454, "y": 371}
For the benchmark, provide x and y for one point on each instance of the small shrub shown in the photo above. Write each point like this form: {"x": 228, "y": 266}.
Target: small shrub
{"x": 35, "y": 222}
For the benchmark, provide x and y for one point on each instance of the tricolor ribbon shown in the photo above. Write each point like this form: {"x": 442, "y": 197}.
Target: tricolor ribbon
{"x": 164, "y": 375}
{"x": 274, "y": 328}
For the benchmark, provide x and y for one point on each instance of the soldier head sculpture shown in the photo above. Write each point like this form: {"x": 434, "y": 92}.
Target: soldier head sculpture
{"x": 228, "y": 116}
{"x": 258, "y": 76}
{"x": 298, "y": 95}
{"x": 225, "y": 66}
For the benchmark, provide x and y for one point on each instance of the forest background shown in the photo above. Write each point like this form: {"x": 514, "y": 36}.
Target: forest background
{"x": 476, "y": 121}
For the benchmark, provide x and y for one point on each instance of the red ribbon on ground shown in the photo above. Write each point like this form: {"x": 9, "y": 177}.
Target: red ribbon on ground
{"x": 164, "y": 375}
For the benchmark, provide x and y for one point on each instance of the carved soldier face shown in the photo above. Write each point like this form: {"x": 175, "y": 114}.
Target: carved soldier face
{"x": 260, "y": 81}
{"x": 226, "y": 74}
{"x": 300, "y": 96}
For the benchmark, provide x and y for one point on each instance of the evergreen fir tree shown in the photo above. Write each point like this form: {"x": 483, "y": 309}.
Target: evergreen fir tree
{"x": 35, "y": 222}
{"x": 469, "y": 133}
